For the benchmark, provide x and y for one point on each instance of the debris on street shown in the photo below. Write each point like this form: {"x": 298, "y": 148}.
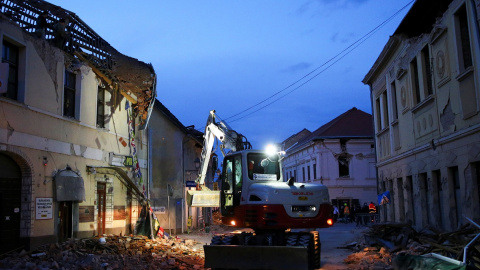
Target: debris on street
{"x": 393, "y": 245}
{"x": 110, "y": 252}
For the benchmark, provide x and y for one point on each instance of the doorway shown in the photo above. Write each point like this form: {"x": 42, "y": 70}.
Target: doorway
{"x": 10, "y": 202}
{"x": 101, "y": 207}
{"x": 128, "y": 214}
{"x": 65, "y": 221}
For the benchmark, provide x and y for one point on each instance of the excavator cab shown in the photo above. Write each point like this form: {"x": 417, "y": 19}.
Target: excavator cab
{"x": 232, "y": 182}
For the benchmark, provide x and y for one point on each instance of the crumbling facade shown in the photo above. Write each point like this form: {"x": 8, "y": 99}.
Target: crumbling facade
{"x": 73, "y": 145}
{"x": 339, "y": 155}
{"x": 425, "y": 93}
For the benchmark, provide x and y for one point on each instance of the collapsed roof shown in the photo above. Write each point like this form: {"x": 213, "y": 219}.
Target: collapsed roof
{"x": 135, "y": 80}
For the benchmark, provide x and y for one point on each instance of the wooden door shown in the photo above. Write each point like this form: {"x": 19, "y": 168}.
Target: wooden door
{"x": 128, "y": 214}
{"x": 65, "y": 218}
{"x": 101, "y": 206}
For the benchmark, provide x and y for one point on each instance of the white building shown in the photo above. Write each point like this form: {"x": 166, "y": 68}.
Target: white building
{"x": 425, "y": 89}
{"x": 340, "y": 155}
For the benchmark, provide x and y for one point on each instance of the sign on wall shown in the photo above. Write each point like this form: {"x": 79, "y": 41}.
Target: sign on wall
{"x": 160, "y": 210}
{"x": 43, "y": 208}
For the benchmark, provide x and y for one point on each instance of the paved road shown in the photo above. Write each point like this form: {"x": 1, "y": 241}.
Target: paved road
{"x": 338, "y": 236}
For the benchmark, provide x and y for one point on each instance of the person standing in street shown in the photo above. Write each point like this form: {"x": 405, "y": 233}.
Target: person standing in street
{"x": 335, "y": 213}
{"x": 372, "y": 210}
{"x": 346, "y": 213}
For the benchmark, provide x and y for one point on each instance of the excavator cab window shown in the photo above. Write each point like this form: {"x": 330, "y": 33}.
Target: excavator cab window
{"x": 231, "y": 184}
{"x": 261, "y": 167}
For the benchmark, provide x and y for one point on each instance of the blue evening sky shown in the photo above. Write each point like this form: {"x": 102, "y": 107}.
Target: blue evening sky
{"x": 230, "y": 55}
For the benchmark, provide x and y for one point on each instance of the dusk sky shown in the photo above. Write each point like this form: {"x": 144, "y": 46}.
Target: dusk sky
{"x": 270, "y": 68}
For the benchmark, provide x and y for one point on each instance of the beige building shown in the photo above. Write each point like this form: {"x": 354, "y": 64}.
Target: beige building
{"x": 425, "y": 89}
{"x": 340, "y": 155}
{"x": 73, "y": 146}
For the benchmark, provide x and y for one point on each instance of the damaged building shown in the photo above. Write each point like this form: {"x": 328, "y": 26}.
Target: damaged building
{"x": 340, "y": 155}
{"x": 425, "y": 94}
{"x": 73, "y": 140}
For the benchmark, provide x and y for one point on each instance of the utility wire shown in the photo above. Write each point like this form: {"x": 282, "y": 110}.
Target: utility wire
{"x": 340, "y": 55}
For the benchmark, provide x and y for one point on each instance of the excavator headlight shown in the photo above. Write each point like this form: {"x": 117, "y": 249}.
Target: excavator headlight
{"x": 233, "y": 223}
{"x": 271, "y": 150}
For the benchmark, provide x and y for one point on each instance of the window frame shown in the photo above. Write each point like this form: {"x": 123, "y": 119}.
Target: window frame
{"x": 101, "y": 107}
{"x": 69, "y": 87}
{"x": 462, "y": 39}
{"x": 20, "y": 68}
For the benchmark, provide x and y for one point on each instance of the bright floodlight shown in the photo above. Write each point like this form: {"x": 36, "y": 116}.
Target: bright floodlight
{"x": 271, "y": 150}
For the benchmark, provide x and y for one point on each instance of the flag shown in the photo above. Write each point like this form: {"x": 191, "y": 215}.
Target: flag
{"x": 384, "y": 198}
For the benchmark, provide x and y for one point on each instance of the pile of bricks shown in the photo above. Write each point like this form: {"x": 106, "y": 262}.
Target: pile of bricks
{"x": 110, "y": 252}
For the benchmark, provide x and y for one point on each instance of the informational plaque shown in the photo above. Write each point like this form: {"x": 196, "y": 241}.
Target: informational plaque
{"x": 44, "y": 208}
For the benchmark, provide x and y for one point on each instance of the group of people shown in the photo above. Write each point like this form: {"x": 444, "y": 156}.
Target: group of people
{"x": 350, "y": 215}
{"x": 58, "y": 28}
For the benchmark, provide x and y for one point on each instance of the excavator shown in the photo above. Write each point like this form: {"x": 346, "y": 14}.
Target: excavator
{"x": 275, "y": 218}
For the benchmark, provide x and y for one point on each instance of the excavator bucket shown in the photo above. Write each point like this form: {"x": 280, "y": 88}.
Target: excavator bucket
{"x": 256, "y": 257}
{"x": 203, "y": 198}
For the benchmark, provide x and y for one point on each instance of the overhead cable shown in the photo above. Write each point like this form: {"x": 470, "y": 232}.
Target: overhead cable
{"x": 330, "y": 61}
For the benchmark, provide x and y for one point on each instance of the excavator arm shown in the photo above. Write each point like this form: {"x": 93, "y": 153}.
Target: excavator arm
{"x": 229, "y": 139}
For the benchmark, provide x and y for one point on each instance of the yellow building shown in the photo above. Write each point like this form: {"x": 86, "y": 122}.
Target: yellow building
{"x": 73, "y": 115}
{"x": 425, "y": 90}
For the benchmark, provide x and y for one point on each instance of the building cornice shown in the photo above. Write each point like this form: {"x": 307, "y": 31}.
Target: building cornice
{"x": 432, "y": 145}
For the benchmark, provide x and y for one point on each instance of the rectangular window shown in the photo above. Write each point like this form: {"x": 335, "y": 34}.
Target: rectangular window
{"x": 69, "y": 94}
{"x": 101, "y": 107}
{"x": 308, "y": 171}
{"x": 416, "y": 82}
{"x": 10, "y": 55}
{"x": 378, "y": 120}
{"x": 343, "y": 170}
{"x": 394, "y": 100}
{"x": 427, "y": 72}
{"x": 314, "y": 171}
{"x": 463, "y": 38}
{"x": 386, "y": 121}
{"x": 303, "y": 170}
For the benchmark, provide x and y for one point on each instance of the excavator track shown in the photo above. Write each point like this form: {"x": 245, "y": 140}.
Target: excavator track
{"x": 298, "y": 250}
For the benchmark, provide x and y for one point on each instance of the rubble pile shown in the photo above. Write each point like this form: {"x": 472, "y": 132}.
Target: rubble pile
{"x": 110, "y": 252}
{"x": 387, "y": 244}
